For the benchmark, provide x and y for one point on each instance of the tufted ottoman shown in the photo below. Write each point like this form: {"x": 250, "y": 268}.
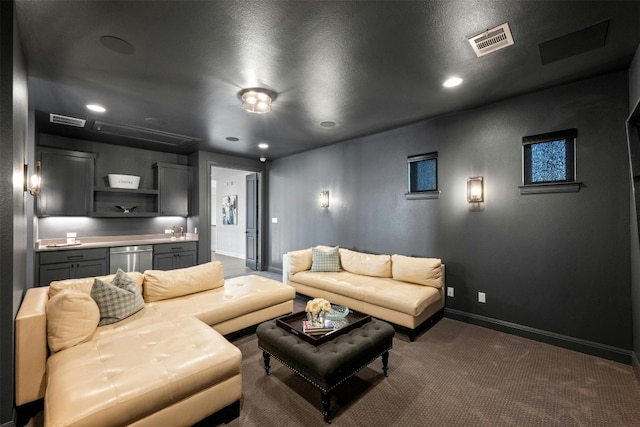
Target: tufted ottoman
{"x": 328, "y": 364}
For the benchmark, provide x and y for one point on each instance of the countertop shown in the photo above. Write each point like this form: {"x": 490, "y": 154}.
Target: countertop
{"x": 46, "y": 245}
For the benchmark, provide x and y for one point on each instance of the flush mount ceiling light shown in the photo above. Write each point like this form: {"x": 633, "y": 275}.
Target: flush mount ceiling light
{"x": 97, "y": 108}
{"x": 452, "y": 82}
{"x": 257, "y": 100}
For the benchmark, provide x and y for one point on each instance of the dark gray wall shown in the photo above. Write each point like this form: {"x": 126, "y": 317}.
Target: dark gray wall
{"x": 110, "y": 159}
{"x": 13, "y": 222}
{"x": 554, "y": 262}
{"x": 634, "y": 101}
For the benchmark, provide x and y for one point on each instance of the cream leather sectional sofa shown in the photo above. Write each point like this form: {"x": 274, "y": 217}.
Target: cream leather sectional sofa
{"x": 406, "y": 291}
{"x": 167, "y": 364}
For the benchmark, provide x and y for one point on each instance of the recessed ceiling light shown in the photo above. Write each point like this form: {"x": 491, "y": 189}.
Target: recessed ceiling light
{"x": 97, "y": 108}
{"x": 263, "y": 159}
{"x": 263, "y": 145}
{"x": 233, "y": 139}
{"x": 328, "y": 124}
{"x": 452, "y": 82}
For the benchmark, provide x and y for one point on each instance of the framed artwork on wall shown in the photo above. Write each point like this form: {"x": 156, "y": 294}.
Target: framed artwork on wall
{"x": 230, "y": 210}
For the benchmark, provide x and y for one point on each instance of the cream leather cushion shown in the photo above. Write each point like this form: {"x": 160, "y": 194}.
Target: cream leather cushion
{"x": 72, "y": 318}
{"x": 421, "y": 271}
{"x": 160, "y": 285}
{"x": 366, "y": 264}
{"x": 85, "y": 284}
{"x": 299, "y": 260}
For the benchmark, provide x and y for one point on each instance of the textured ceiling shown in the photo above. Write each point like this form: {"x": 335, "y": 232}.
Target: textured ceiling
{"x": 365, "y": 65}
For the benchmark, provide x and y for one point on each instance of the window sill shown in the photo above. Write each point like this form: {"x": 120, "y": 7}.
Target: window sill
{"x": 422, "y": 195}
{"x": 557, "y": 187}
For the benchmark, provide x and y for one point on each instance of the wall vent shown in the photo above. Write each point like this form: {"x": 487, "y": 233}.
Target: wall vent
{"x": 492, "y": 40}
{"x": 66, "y": 120}
{"x": 143, "y": 134}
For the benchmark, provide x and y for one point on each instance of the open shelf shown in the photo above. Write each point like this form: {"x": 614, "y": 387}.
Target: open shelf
{"x": 106, "y": 200}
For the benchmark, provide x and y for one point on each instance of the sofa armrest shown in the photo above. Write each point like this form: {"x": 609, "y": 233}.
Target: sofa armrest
{"x": 285, "y": 269}
{"x": 31, "y": 346}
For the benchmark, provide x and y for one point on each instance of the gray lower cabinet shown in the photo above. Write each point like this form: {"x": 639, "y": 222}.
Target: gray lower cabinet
{"x": 169, "y": 256}
{"x": 71, "y": 264}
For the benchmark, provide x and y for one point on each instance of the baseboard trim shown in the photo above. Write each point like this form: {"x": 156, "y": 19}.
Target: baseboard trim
{"x": 565, "y": 341}
{"x": 231, "y": 254}
{"x": 635, "y": 363}
{"x": 274, "y": 270}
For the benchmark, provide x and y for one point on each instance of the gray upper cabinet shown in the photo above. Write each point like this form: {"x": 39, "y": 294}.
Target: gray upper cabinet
{"x": 67, "y": 183}
{"x": 174, "y": 184}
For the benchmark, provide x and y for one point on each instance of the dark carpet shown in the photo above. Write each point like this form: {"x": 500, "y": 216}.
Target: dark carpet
{"x": 454, "y": 374}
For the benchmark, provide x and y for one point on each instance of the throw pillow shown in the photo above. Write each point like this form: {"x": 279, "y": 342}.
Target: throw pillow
{"x": 117, "y": 300}
{"x": 325, "y": 260}
{"x": 72, "y": 318}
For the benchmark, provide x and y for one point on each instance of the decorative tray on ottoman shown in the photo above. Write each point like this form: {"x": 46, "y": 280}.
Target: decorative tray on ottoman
{"x": 293, "y": 323}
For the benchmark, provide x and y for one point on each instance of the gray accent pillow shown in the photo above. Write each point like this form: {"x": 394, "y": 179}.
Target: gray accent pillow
{"x": 116, "y": 300}
{"x": 325, "y": 260}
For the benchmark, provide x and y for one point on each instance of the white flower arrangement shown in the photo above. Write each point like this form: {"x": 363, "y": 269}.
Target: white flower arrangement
{"x": 316, "y": 305}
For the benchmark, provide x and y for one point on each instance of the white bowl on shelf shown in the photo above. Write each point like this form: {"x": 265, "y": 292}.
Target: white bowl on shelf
{"x": 123, "y": 181}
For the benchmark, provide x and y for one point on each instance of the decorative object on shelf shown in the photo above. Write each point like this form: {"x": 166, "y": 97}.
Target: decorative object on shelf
{"x": 123, "y": 181}
{"x": 257, "y": 100}
{"x": 475, "y": 189}
{"x": 324, "y": 199}
{"x": 126, "y": 209}
{"x": 32, "y": 184}
{"x": 230, "y": 210}
{"x": 316, "y": 310}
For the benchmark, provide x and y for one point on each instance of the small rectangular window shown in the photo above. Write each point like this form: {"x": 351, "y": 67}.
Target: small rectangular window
{"x": 423, "y": 173}
{"x": 549, "y": 158}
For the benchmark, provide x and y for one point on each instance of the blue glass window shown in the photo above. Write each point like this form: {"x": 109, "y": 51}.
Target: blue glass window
{"x": 423, "y": 173}
{"x": 549, "y": 158}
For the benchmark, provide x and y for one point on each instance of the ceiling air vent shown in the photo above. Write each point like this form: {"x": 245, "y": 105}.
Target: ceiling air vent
{"x": 143, "y": 134}
{"x": 492, "y": 40}
{"x": 66, "y": 120}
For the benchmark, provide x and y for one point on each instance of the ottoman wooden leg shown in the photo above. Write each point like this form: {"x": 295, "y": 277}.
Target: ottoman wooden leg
{"x": 266, "y": 357}
{"x": 326, "y": 406}
{"x": 385, "y": 363}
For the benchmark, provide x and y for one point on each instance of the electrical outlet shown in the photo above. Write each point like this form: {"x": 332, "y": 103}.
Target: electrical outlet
{"x": 167, "y": 231}
{"x": 482, "y": 297}
{"x": 274, "y": 220}
{"x": 450, "y": 292}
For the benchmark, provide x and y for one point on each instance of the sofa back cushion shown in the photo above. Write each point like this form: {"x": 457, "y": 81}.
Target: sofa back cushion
{"x": 365, "y": 264}
{"x": 72, "y": 318}
{"x": 421, "y": 271}
{"x": 325, "y": 259}
{"x": 299, "y": 260}
{"x": 85, "y": 284}
{"x": 160, "y": 285}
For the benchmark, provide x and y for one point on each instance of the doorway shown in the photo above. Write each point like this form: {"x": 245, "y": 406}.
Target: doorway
{"x": 232, "y": 219}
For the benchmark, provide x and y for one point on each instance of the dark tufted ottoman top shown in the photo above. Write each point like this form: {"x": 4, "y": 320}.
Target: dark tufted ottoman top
{"x": 328, "y": 364}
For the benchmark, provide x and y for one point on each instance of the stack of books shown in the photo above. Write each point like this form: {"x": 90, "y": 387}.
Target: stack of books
{"x": 310, "y": 329}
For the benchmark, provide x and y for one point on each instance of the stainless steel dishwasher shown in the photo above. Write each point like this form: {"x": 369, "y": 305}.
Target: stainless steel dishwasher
{"x": 131, "y": 258}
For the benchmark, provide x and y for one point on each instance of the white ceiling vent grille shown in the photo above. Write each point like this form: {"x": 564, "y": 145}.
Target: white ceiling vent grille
{"x": 492, "y": 40}
{"x": 66, "y": 120}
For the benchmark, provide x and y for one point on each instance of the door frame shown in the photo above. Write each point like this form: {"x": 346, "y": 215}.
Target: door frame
{"x": 260, "y": 265}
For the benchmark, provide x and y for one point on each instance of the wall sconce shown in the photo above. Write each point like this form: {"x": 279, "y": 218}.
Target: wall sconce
{"x": 324, "y": 199}
{"x": 32, "y": 184}
{"x": 475, "y": 190}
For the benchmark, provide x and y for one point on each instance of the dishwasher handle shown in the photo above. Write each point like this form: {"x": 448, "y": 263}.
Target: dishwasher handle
{"x": 132, "y": 252}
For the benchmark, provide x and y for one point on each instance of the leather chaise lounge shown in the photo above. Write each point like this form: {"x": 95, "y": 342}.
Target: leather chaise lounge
{"x": 167, "y": 364}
